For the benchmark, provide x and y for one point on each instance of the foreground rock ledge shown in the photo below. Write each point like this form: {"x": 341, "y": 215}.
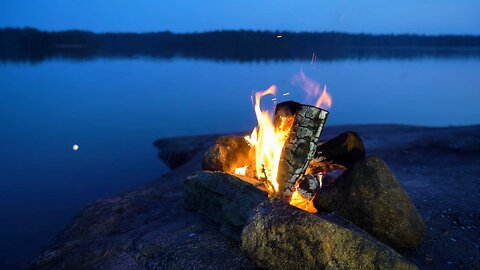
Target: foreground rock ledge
{"x": 369, "y": 195}
{"x": 280, "y": 236}
{"x": 224, "y": 198}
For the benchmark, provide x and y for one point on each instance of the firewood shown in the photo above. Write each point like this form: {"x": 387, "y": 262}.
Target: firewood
{"x": 307, "y": 186}
{"x": 285, "y": 114}
{"x": 317, "y": 166}
{"x": 229, "y": 153}
{"x": 345, "y": 149}
{"x": 300, "y": 147}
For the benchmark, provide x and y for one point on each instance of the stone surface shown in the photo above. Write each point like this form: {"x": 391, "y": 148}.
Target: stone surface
{"x": 224, "y": 198}
{"x": 175, "y": 152}
{"x": 280, "y": 236}
{"x": 369, "y": 195}
{"x": 149, "y": 228}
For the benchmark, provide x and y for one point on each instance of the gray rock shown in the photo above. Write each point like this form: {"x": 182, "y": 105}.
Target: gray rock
{"x": 224, "y": 198}
{"x": 175, "y": 152}
{"x": 280, "y": 236}
{"x": 370, "y": 196}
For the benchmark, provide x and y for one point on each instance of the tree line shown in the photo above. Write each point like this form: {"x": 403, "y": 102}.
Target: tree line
{"x": 34, "y": 45}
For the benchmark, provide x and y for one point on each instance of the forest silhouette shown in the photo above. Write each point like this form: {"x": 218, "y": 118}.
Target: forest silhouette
{"x": 33, "y": 45}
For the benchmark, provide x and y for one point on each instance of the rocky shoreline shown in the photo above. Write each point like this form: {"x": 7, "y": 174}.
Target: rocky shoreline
{"x": 149, "y": 228}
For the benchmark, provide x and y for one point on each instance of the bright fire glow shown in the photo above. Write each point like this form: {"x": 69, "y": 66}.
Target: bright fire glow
{"x": 302, "y": 203}
{"x": 268, "y": 143}
{"x": 241, "y": 170}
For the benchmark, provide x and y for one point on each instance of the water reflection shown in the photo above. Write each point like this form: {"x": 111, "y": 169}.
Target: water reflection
{"x": 115, "y": 108}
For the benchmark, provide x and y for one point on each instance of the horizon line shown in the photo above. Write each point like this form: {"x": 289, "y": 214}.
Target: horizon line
{"x": 232, "y": 30}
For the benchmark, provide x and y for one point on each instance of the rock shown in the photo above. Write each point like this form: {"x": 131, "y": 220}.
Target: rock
{"x": 370, "y": 196}
{"x": 178, "y": 151}
{"x": 224, "y": 198}
{"x": 280, "y": 236}
{"x": 228, "y": 153}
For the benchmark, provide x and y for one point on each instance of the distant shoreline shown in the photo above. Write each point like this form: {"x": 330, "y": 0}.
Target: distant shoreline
{"x": 29, "y": 44}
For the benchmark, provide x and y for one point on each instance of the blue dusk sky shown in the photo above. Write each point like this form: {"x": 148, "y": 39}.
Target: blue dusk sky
{"x": 372, "y": 16}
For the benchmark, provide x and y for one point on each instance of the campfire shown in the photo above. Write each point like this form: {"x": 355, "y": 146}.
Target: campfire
{"x": 282, "y": 148}
{"x": 248, "y": 182}
{"x": 282, "y": 153}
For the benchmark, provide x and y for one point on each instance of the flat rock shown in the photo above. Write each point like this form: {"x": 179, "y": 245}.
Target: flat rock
{"x": 280, "y": 236}
{"x": 224, "y": 198}
{"x": 175, "y": 152}
{"x": 369, "y": 195}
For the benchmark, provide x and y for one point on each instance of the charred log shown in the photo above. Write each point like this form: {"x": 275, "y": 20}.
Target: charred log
{"x": 307, "y": 186}
{"x": 299, "y": 147}
{"x": 317, "y": 166}
{"x": 345, "y": 149}
{"x": 228, "y": 153}
{"x": 285, "y": 114}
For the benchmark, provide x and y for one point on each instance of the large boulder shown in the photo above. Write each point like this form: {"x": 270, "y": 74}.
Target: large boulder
{"x": 280, "y": 236}
{"x": 369, "y": 195}
{"x": 224, "y": 198}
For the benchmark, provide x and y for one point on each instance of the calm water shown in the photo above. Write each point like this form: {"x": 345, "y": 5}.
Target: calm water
{"x": 114, "y": 109}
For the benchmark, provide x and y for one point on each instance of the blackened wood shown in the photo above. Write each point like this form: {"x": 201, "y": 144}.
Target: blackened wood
{"x": 299, "y": 147}
{"x": 345, "y": 149}
{"x": 285, "y": 113}
{"x": 229, "y": 153}
{"x": 307, "y": 186}
{"x": 317, "y": 166}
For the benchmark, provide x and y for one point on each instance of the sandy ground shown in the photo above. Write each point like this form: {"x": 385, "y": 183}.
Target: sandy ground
{"x": 148, "y": 228}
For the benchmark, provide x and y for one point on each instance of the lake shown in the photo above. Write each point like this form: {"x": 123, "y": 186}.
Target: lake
{"x": 113, "y": 109}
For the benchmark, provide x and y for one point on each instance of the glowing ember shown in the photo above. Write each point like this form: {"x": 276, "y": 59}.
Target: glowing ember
{"x": 241, "y": 170}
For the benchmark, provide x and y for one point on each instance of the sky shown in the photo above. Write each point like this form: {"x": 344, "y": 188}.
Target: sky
{"x": 370, "y": 16}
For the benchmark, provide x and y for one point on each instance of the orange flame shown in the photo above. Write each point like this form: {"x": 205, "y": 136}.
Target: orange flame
{"x": 298, "y": 201}
{"x": 312, "y": 88}
{"x": 268, "y": 141}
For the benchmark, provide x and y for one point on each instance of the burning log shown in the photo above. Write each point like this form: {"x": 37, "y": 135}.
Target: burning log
{"x": 307, "y": 186}
{"x": 285, "y": 114}
{"x": 317, "y": 166}
{"x": 300, "y": 146}
{"x": 227, "y": 154}
{"x": 345, "y": 149}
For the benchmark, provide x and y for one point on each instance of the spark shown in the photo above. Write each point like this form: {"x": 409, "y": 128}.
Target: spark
{"x": 286, "y": 94}
{"x": 75, "y": 147}
{"x": 314, "y": 60}
{"x": 279, "y": 36}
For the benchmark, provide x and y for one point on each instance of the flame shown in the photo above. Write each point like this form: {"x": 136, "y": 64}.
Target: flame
{"x": 325, "y": 100}
{"x": 267, "y": 140}
{"x": 312, "y": 88}
{"x": 298, "y": 201}
{"x": 268, "y": 143}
